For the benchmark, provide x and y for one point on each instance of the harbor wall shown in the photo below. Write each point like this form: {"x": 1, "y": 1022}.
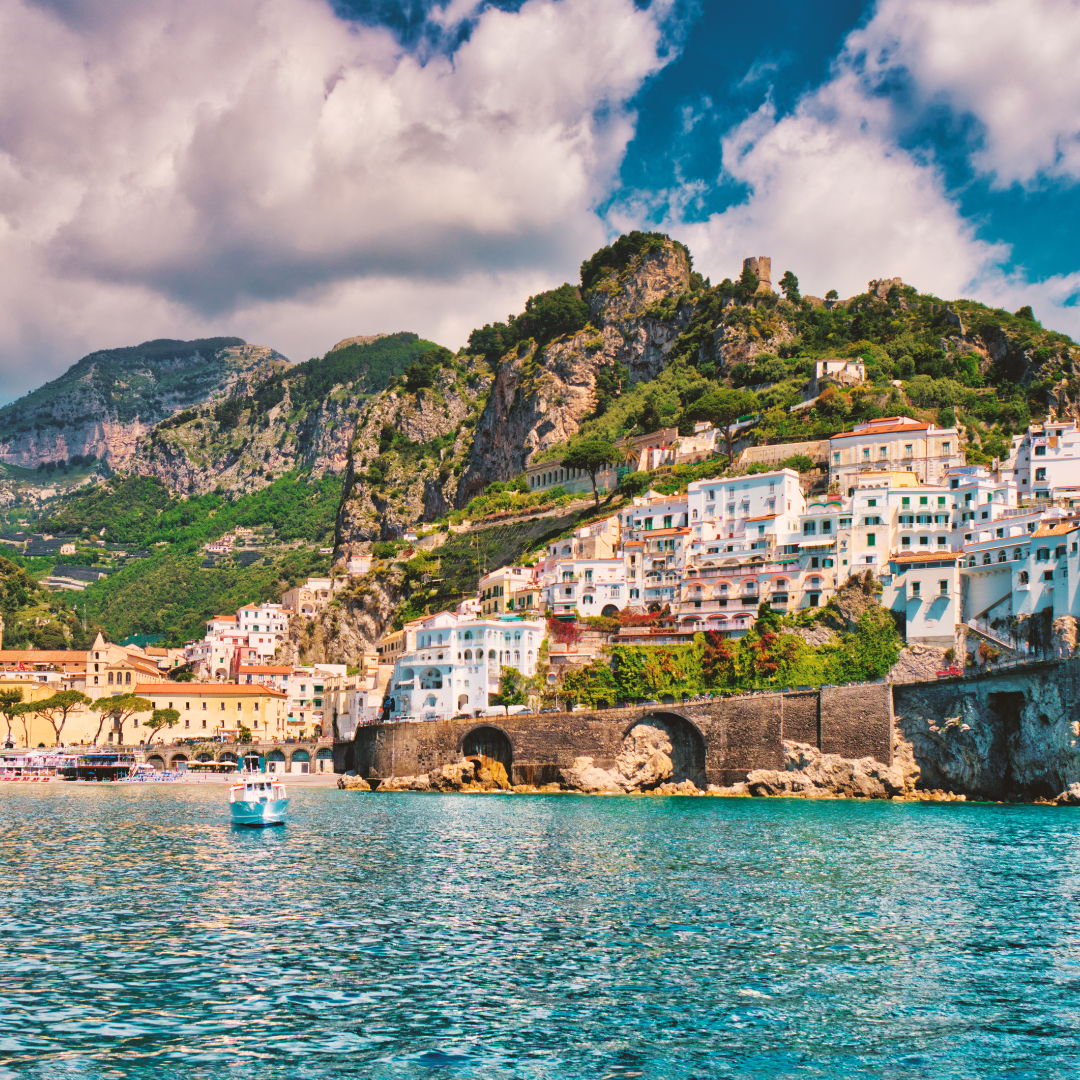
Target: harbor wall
{"x": 723, "y": 740}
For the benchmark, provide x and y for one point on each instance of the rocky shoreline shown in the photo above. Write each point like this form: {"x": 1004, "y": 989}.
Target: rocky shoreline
{"x": 644, "y": 767}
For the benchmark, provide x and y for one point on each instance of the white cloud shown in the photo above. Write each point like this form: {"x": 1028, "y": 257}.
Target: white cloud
{"x": 836, "y": 199}
{"x": 171, "y": 168}
{"x": 1009, "y": 64}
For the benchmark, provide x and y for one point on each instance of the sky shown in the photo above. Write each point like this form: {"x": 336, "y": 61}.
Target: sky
{"x": 296, "y": 172}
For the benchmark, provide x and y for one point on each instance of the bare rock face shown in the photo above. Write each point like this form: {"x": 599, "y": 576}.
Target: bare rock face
{"x": 347, "y": 629}
{"x": 352, "y": 782}
{"x": 468, "y": 774}
{"x": 810, "y": 773}
{"x": 540, "y": 397}
{"x": 643, "y": 763}
{"x": 413, "y": 488}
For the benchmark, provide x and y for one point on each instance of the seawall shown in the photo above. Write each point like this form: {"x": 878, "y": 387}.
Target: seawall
{"x": 716, "y": 743}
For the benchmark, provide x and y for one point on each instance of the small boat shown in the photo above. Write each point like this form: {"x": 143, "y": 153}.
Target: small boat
{"x": 258, "y": 802}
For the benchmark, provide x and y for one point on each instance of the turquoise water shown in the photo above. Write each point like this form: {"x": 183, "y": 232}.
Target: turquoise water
{"x": 427, "y": 936}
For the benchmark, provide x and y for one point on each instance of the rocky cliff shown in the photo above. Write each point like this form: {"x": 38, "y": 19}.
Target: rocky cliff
{"x": 107, "y": 401}
{"x": 541, "y": 395}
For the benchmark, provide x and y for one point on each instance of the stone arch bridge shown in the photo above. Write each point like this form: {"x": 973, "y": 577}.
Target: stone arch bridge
{"x": 716, "y": 742}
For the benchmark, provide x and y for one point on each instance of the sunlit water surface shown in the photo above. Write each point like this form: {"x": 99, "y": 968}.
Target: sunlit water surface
{"x": 405, "y": 935}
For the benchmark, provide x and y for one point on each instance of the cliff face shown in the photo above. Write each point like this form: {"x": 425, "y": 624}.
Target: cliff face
{"x": 106, "y": 402}
{"x": 404, "y": 454}
{"x": 348, "y": 628}
{"x": 541, "y": 396}
{"x": 998, "y": 737}
{"x": 245, "y": 452}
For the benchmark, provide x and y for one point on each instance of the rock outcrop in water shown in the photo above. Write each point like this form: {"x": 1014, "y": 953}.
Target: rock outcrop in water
{"x": 468, "y": 774}
{"x": 643, "y": 763}
{"x": 811, "y": 774}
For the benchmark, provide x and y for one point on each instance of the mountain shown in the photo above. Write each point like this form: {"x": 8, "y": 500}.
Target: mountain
{"x": 104, "y": 402}
{"x": 300, "y": 418}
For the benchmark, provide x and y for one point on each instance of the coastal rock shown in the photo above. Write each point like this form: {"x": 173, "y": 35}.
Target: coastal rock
{"x": 1069, "y": 797}
{"x": 811, "y": 773}
{"x": 405, "y": 783}
{"x": 352, "y": 782}
{"x": 687, "y": 787}
{"x": 643, "y": 763}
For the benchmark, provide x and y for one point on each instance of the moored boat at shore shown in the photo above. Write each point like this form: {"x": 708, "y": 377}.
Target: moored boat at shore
{"x": 258, "y": 801}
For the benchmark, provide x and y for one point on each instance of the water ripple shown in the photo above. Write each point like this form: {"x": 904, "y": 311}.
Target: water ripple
{"x": 420, "y": 936}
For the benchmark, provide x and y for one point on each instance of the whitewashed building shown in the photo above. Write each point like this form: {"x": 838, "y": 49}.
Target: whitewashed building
{"x": 456, "y": 665}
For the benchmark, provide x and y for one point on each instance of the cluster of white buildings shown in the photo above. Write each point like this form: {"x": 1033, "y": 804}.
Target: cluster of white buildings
{"x": 950, "y": 543}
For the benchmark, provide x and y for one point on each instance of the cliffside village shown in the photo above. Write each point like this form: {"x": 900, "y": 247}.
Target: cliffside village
{"x": 955, "y": 548}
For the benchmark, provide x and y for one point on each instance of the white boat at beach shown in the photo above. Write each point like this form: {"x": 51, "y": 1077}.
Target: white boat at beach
{"x": 258, "y": 801}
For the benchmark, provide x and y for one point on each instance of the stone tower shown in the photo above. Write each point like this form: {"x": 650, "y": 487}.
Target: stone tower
{"x": 762, "y": 267}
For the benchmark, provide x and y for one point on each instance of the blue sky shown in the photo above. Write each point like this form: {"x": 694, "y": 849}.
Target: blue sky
{"x": 300, "y": 171}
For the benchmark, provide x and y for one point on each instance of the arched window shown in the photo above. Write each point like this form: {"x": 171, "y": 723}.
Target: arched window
{"x": 491, "y": 654}
{"x": 986, "y": 558}
{"x": 1002, "y": 557}
{"x": 517, "y": 656}
{"x": 431, "y": 679}
{"x": 110, "y": 678}
{"x": 431, "y": 702}
{"x": 468, "y": 654}
{"x": 1023, "y": 577}
{"x": 1017, "y": 554}
{"x": 468, "y": 635}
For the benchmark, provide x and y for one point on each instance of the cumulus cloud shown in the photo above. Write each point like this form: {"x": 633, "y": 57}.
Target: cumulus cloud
{"x": 185, "y": 166}
{"x": 1009, "y": 65}
{"x": 835, "y": 197}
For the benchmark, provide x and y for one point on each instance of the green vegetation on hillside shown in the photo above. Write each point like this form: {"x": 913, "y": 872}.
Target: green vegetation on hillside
{"x": 373, "y": 365}
{"x": 142, "y": 510}
{"x": 170, "y": 594}
{"x": 33, "y": 616}
{"x": 547, "y": 315}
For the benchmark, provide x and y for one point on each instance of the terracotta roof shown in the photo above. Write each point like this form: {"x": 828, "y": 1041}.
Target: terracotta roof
{"x": 228, "y": 689}
{"x": 1054, "y": 530}
{"x": 870, "y": 433}
{"x": 664, "y": 532}
{"x": 763, "y": 517}
{"x": 43, "y": 656}
{"x": 224, "y": 618}
{"x": 265, "y": 669}
{"x": 929, "y": 556}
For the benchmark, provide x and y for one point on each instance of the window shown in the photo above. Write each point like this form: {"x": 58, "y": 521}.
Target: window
{"x": 866, "y": 453}
{"x": 814, "y": 562}
{"x": 826, "y": 527}
{"x": 710, "y": 494}
{"x": 1040, "y": 476}
{"x": 809, "y": 528}
{"x": 941, "y": 500}
{"x": 204, "y": 710}
{"x": 905, "y": 541}
{"x": 924, "y": 541}
{"x": 941, "y": 543}
{"x": 909, "y": 450}
{"x": 916, "y": 588}
{"x": 204, "y": 723}
{"x": 1040, "y": 451}
{"x": 836, "y": 458}
{"x": 883, "y": 452}
{"x": 1023, "y": 577}
{"x": 667, "y": 521}
{"x": 871, "y": 540}
{"x": 871, "y": 502}
{"x": 127, "y": 677}
{"x": 924, "y": 500}
{"x": 648, "y": 523}
{"x": 187, "y": 704}
{"x": 110, "y": 678}
{"x": 222, "y": 706}
{"x": 1042, "y": 554}
{"x": 954, "y": 484}
{"x": 943, "y": 588}
{"x": 1048, "y": 575}
{"x": 905, "y": 501}
{"x": 946, "y": 448}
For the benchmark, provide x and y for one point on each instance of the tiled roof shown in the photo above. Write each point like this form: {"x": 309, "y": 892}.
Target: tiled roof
{"x": 228, "y": 689}
{"x": 264, "y": 669}
{"x": 891, "y": 429}
{"x": 1055, "y": 530}
{"x": 763, "y": 517}
{"x": 928, "y": 556}
{"x": 43, "y": 656}
{"x": 664, "y": 532}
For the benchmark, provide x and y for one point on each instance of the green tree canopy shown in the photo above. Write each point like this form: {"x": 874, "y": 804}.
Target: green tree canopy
{"x": 789, "y": 284}
{"x": 57, "y": 708}
{"x": 724, "y": 407}
{"x": 591, "y": 455}
{"x": 160, "y": 718}
{"x": 119, "y": 709}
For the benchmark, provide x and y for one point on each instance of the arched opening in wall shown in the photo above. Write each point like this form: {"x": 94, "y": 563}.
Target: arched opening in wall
{"x": 157, "y": 762}
{"x": 609, "y": 611}
{"x": 228, "y": 755}
{"x": 657, "y": 731}
{"x": 462, "y": 702}
{"x": 489, "y": 742}
{"x": 324, "y": 760}
{"x": 204, "y": 757}
{"x": 251, "y": 762}
{"x": 275, "y": 761}
{"x": 178, "y": 762}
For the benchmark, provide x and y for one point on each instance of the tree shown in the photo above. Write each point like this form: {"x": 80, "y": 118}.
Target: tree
{"x": 789, "y": 283}
{"x": 24, "y": 710}
{"x": 512, "y": 689}
{"x": 57, "y": 708}
{"x": 724, "y": 407}
{"x": 832, "y": 294}
{"x": 8, "y": 700}
{"x": 160, "y": 718}
{"x": 119, "y": 709}
{"x": 591, "y": 455}
{"x": 748, "y": 283}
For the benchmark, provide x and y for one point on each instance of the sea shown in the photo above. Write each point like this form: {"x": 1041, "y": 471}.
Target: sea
{"x": 458, "y": 936}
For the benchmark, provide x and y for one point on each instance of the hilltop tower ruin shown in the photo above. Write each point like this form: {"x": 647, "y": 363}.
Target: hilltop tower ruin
{"x": 762, "y": 268}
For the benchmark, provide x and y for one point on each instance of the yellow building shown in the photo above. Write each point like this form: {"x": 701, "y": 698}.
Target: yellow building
{"x": 28, "y": 729}
{"x": 215, "y": 709}
{"x": 509, "y": 589}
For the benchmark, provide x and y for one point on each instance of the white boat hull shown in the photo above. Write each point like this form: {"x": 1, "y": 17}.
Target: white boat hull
{"x": 257, "y": 814}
